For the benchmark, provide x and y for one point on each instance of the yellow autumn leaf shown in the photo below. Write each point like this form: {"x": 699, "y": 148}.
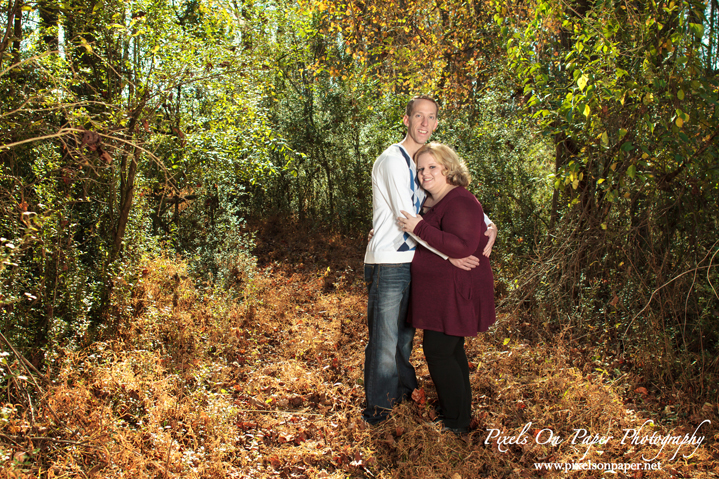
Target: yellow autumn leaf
{"x": 582, "y": 82}
{"x": 86, "y": 45}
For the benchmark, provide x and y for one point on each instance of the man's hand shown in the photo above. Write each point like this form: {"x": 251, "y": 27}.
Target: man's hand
{"x": 370, "y": 235}
{"x": 492, "y": 233}
{"x": 466, "y": 264}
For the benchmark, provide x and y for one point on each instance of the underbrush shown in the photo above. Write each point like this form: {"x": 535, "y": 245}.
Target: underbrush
{"x": 198, "y": 385}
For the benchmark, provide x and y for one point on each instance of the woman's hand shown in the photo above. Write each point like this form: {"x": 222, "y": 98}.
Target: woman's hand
{"x": 409, "y": 222}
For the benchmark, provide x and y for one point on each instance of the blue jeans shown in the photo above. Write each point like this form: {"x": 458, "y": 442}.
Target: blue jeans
{"x": 389, "y": 377}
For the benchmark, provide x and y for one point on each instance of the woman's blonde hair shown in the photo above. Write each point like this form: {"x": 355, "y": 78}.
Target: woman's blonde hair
{"x": 455, "y": 170}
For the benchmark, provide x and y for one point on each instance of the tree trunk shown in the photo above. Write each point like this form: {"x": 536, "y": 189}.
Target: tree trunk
{"x": 17, "y": 32}
{"x": 564, "y": 148}
{"x": 13, "y": 6}
{"x": 127, "y": 194}
{"x": 49, "y": 19}
{"x": 127, "y": 181}
{"x": 712, "y": 37}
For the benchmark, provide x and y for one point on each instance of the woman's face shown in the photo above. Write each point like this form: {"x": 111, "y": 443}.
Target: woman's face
{"x": 430, "y": 173}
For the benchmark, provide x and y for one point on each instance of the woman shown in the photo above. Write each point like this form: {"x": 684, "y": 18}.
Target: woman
{"x": 447, "y": 302}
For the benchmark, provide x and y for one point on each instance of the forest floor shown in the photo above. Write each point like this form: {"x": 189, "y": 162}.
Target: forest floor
{"x": 264, "y": 380}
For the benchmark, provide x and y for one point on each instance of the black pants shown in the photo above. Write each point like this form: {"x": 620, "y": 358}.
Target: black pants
{"x": 450, "y": 372}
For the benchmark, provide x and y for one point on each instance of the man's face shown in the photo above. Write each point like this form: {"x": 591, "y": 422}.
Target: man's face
{"x": 423, "y": 121}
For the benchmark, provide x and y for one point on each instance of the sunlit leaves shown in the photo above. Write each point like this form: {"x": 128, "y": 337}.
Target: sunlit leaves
{"x": 582, "y": 82}
{"x": 617, "y": 80}
{"x": 697, "y": 29}
{"x": 412, "y": 47}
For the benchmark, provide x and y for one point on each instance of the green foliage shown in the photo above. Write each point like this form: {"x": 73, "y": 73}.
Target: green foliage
{"x": 139, "y": 108}
{"x": 629, "y": 87}
{"x": 625, "y": 93}
{"x": 214, "y": 236}
{"x": 509, "y": 161}
{"x": 328, "y": 124}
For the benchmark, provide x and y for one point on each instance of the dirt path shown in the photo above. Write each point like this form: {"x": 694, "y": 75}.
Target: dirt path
{"x": 264, "y": 381}
{"x": 533, "y": 401}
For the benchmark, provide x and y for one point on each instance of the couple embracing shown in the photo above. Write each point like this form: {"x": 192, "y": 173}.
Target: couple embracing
{"x": 430, "y": 229}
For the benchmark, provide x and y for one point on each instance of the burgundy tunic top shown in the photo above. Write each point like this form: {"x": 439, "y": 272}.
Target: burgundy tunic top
{"x": 446, "y": 298}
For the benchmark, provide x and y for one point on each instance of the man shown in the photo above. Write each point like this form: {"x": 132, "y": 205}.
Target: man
{"x": 389, "y": 376}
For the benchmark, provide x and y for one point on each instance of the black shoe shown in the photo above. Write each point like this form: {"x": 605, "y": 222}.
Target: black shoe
{"x": 441, "y": 427}
{"x": 458, "y": 431}
{"x": 378, "y": 417}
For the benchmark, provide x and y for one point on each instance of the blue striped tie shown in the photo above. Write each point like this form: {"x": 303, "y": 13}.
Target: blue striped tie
{"x": 415, "y": 198}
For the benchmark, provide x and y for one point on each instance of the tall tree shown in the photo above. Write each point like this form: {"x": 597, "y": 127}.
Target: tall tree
{"x": 624, "y": 91}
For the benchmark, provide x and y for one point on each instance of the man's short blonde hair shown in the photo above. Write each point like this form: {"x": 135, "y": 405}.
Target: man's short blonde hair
{"x": 455, "y": 170}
